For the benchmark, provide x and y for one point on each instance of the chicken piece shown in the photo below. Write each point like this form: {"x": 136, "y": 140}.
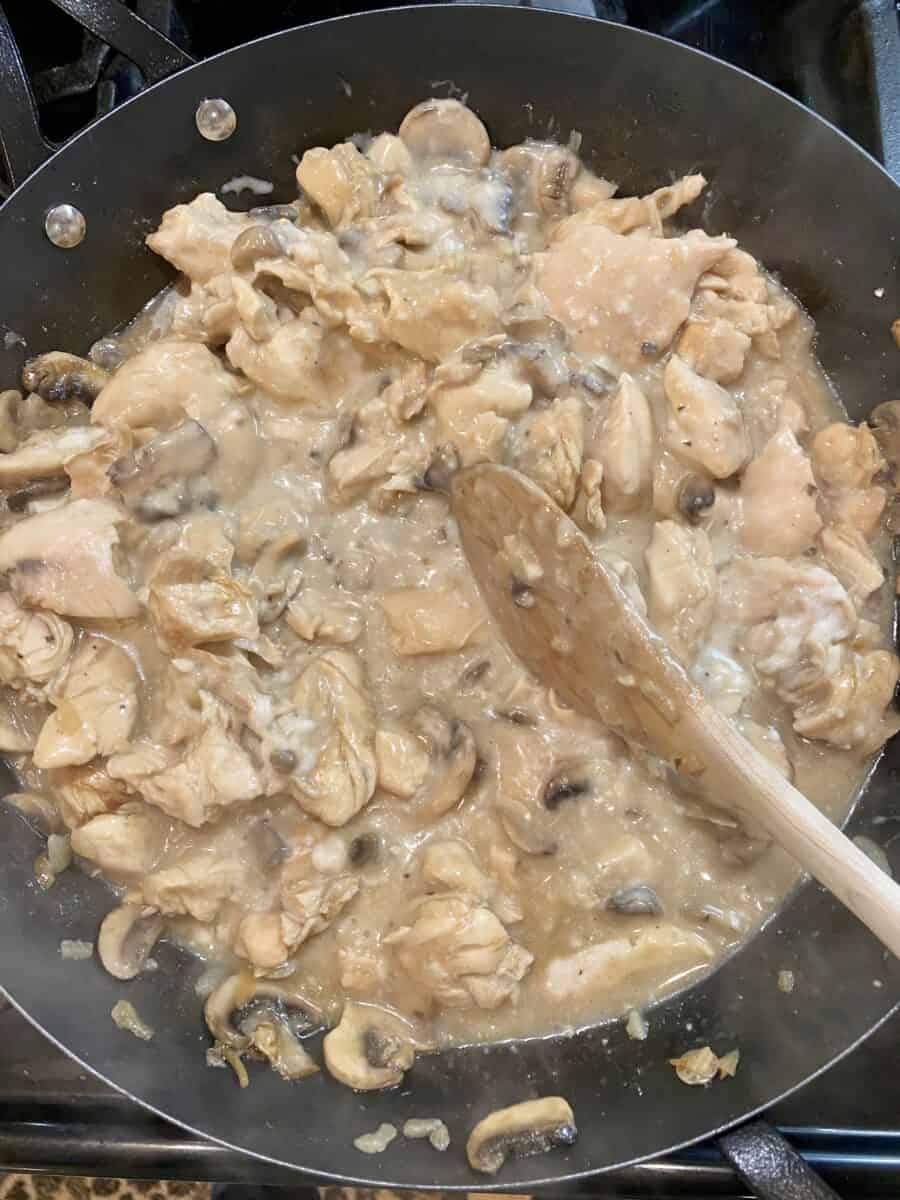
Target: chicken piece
{"x": 448, "y": 865}
{"x": 644, "y": 212}
{"x": 88, "y": 472}
{"x": 379, "y": 448}
{"x": 432, "y": 315}
{"x": 625, "y": 445}
{"x": 778, "y": 493}
{"x": 403, "y": 762}
{"x": 714, "y": 349}
{"x": 317, "y": 267}
{"x": 430, "y": 620}
{"x": 737, "y": 293}
{"x": 549, "y": 447}
{"x": 313, "y": 900}
{"x": 270, "y": 539}
{"x": 405, "y": 395}
{"x": 850, "y": 557}
{"x": 96, "y": 706}
{"x": 203, "y": 611}
{"x": 389, "y": 155}
{"x": 722, "y": 679}
{"x": 199, "y": 883}
{"x": 805, "y": 642}
{"x": 850, "y": 709}
{"x": 622, "y": 297}
{"x": 457, "y": 951}
{"x": 192, "y": 596}
{"x": 127, "y": 842}
{"x": 704, "y": 428}
{"x": 605, "y": 966}
{"x": 34, "y": 646}
{"x": 474, "y": 416}
{"x": 793, "y": 612}
{"x": 331, "y": 693}
{"x": 46, "y": 453}
{"x": 162, "y": 383}
{"x": 196, "y": 782}
{"x": 846, "y": 460}
{"x": 737, "y": 276}
{"x": 846, "y": 456}
{"x": 318, "y": 618}
{"x": 592, "y": 491}
{"x": 196, "y": 238}
{"x": 63, "y": 560}
{"x": 265, "y": 939}
{"x": 257, "y": 312}
{"x": 683, "y": 586}
{"x": 203, "y": 312}
{"x": 363, "y": 963}
{"x": 340, "y": 181}
{"x": 85, "y": 792}
{"x": 287, "y": 365}
{"x": 159, "y": 388}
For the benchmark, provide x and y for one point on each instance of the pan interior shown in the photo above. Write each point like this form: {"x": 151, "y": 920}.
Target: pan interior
{"x": 794, "y": 192}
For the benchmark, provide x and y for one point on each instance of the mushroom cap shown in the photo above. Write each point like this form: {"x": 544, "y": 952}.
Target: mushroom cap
{"x": 533, "y": 1127}
{"x": 453, "y": 757}
{"x": 252, "y": 244}
{"x": 239, "y": 991}
{"x": 445, "y": 129}
{"x": 369, "y": 1048}
{"x": 58, "y": 377}
{"x": 127, "y": 935}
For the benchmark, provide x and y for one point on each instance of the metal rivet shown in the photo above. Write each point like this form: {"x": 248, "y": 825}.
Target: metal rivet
{"x": 65, "y": 226}
{"x": 216, "y": 120}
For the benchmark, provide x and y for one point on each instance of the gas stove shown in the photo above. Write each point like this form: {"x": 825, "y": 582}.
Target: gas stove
{"x": 842, "y": 58}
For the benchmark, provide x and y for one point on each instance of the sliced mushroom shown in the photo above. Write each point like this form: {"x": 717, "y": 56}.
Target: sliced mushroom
{"x": 445, "y": 130}
{"x": 542, "y": 174}
{"x": 58, "y": 377}
{"x": 532, "y": 824}
{"x": 235, "y": 1001}
{"x": 369, "y": 1049}
{"x": 568, "y": 781}
{"x": 440, "y": 471}
{"x": 254, "y": 243}
{"x": 637, "y": 900}
{"x": 533, "y": 1127}
{"x": 160, "y": 478}
{"x": 695, "y": 497}
{"x": 127, "y": 935}
{"x": 276, "y": 1041}
{"x": 453, "y": 757}
{"x": 526, "y": 827}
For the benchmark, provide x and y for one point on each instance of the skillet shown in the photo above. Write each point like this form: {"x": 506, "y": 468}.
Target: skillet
{"x": 813, "y": 206}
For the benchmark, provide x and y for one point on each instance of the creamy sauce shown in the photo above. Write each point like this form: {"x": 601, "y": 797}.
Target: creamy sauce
{"x": 273, "y": 708}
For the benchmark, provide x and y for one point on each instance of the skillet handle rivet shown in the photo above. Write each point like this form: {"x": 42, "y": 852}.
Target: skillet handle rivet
{"x": 65, "y": 226}
{"x": 216, "y": 120}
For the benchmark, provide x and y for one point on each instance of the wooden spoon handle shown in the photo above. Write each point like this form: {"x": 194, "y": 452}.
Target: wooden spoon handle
{"x": 750, "y": 785}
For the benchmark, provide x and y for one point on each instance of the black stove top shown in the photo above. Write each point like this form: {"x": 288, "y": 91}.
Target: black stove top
{"x": 841, "y": 57}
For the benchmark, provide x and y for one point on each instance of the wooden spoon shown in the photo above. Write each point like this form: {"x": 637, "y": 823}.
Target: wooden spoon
{"x": 567, "y": 615}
